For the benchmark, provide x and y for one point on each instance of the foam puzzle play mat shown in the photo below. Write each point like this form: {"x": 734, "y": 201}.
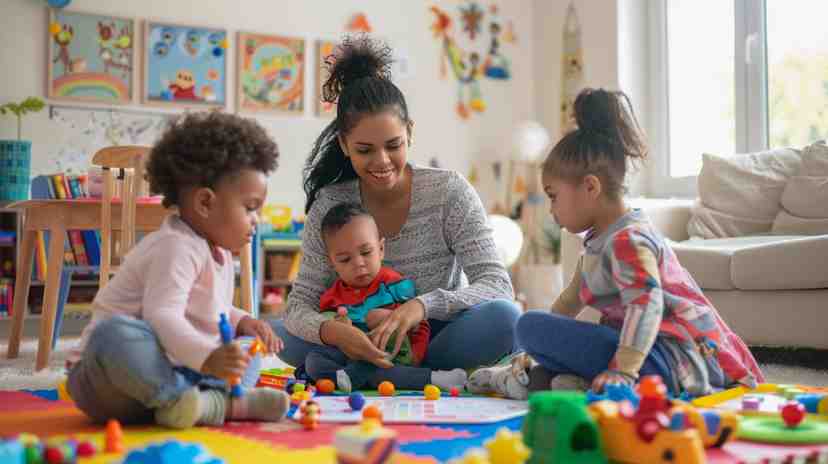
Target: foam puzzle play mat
{"x": 774, "y": 423}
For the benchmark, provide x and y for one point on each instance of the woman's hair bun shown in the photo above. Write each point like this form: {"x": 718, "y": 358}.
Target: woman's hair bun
{"x": 355, "y": 58}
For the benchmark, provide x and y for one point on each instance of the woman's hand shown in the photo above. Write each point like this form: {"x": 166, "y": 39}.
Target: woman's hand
{"x": 354, "y": 343}
{"x": 261, "y": 329}
{"x": 608, "y": 377}
{"x": 376, "y": 316}
{"x": 402, "y": 320}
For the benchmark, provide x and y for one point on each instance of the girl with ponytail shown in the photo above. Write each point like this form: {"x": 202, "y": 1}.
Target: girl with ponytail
{"x": 434, "y": 226}
{"x": 656, "y": 320}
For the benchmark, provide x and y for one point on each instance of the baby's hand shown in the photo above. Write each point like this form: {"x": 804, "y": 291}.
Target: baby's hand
{"x": 228, "y": 361}
{"x": 261, "y": 329}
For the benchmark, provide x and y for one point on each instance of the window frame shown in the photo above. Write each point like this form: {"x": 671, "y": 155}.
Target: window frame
{"x": 750, "y": 81}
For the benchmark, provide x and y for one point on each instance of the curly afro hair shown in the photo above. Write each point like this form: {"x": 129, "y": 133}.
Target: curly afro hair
{"x": 200, "y": 149}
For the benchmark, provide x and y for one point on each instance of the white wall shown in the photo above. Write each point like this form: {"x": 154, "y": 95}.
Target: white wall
{"x": 438, "y": 131}
{"x": 614, "y": 38}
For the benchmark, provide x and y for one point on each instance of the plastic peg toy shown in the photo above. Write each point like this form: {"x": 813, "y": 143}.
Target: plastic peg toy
{"x": 114, "y": 437}
{"x": 372, "y": 412}
{"x": 227, "y": 337}
{"x": 86, "y": 449}
{"x": 431, "y": 392}
{"x": 386, "y": 388}
{"x": 356, "y": 401}
{"x": 310, "y": 415}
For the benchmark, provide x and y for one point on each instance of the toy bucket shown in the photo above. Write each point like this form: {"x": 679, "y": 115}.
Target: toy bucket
{"x": 15, "y": 168}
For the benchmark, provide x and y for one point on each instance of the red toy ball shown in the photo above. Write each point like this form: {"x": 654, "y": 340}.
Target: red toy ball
{"x": 793, "y": 413}
{"x": 455, "y": 392}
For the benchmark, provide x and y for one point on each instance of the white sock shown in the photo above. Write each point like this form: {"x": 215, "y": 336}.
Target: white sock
{"x": 193, "y": 407}
{"x": 343, "y": 381}
{"x": 447, "y": 379}
{"x": 263, "y": 404}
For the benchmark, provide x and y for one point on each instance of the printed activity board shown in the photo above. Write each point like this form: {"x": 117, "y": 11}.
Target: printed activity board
{"x": 766, "y": 399}
{"x": 418, "y": 410}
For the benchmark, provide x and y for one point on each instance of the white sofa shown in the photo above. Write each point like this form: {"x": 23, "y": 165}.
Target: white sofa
{"x": 767, "y": 272}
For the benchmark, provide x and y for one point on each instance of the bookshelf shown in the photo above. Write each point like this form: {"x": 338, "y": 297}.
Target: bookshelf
{"x": 278, "y": 257}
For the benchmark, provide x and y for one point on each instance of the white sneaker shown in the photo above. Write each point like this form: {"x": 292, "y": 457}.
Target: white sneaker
{"x": 510, "y": 380}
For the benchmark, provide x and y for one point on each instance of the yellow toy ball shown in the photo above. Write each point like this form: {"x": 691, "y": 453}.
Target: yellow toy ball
{"x": 223, "y": 44}
{"x": 431, "y": 392}
{"x": 54, "y": 28}
{"x": 386, "y": 388}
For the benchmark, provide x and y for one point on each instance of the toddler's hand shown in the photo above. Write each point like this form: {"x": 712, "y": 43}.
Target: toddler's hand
{"x": 608, "y": 377}
{"x": 228, "y": 361}
{"x": 261, "y": 329}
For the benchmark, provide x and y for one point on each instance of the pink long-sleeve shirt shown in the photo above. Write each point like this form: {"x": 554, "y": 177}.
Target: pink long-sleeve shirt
{"x": 178, "y": 284}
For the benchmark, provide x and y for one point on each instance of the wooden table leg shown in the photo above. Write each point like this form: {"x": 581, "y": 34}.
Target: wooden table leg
{"x": 54, "y": 268}
{"x": 21, "y": 290}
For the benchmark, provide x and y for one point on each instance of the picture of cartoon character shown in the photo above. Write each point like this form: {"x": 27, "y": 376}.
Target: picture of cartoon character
{"x": 184, "y": 86}
{"x": 63, "y": 38}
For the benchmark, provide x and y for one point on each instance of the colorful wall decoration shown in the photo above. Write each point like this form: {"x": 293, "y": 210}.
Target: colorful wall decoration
{"x": 185, "y": 65}
{"x": 91, "y": 57}
{"x": 472, "y": 58}
{"x": 324, "y": 48}
{"x": 271, "y": 73}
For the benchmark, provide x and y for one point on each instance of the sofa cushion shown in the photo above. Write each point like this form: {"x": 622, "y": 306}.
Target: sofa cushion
{"x": 740, "y": 194}
{"x": 805, "y": 198}
{"x": 764, "y": 262}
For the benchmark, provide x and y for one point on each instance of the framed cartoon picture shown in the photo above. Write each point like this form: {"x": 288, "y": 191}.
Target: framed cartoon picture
{"x": 90, "y": 57}
{"x": 324, "y": 48}
{"x": 271, "y": 74}
{"x": 185, "y": 65}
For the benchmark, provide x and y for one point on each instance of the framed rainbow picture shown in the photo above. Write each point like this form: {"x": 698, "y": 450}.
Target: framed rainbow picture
{"x": 184, "y": 66}
{"x": 324, "y": 49}
{"x": 270, "y": 73}
{"x": 90, "y": 57}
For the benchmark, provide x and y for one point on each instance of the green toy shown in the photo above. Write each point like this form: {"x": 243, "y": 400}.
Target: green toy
{"x": 768, "y": 429}
{"x": 559, "y": 428}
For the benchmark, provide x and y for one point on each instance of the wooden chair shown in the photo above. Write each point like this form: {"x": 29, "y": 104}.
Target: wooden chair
{"x": 127, "y": 186}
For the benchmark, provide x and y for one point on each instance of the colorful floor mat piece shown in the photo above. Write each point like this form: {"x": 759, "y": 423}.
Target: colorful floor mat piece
{"x": 286, "y": 443}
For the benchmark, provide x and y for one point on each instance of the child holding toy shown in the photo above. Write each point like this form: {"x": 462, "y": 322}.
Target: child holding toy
{"x": 655, "y": 319}
{"x": 363, "y": 295}
{"x": 153, "y": 351}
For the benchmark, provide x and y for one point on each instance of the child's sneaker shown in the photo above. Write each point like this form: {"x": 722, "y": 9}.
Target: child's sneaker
{"x": 510, "y": 380}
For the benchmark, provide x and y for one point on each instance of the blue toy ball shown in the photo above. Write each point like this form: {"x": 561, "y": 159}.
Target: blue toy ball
{"x": 166, "y": 95}
{"x": 217, "y": 52}
{"x": 58, "y": 3}
{"x": 356, "y": 401}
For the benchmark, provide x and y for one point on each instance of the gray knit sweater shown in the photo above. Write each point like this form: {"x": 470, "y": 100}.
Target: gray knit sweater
{"x": 445, "y": 246}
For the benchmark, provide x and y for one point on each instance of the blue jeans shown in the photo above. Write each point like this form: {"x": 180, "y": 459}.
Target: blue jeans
{"x": 479, "y": 336}
{"x": 125, "y": 374}
{"x": 564, "y": 345}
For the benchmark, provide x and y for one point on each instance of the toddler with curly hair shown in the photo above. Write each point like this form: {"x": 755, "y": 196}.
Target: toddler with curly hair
{"x": 153, "y": 352}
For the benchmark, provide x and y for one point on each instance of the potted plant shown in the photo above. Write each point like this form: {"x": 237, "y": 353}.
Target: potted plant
{"x": 16, "y": 155}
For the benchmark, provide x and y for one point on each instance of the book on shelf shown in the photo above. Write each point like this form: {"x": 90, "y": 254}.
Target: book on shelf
{"x": 81, "y": 247}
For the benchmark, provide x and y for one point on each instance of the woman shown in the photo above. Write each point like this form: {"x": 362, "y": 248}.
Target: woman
{"x": 432, "y": 220}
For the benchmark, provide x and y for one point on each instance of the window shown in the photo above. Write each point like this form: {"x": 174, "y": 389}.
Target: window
{"x": 734, "y": 76}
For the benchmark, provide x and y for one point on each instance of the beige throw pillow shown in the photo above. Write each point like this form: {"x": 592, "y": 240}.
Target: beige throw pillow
{"x": 805, "y": 198}
{"x": 740, "y": 194}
